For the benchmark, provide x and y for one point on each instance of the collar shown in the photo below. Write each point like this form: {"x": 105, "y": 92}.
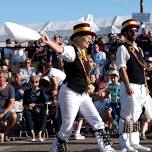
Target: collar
{"x": 81, "y": 52}
{"x": 132, "y": 43}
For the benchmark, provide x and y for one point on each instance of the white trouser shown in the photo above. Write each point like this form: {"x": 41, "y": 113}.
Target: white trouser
{"x": 131, "y": 109}
{"x": 70, "y": 103}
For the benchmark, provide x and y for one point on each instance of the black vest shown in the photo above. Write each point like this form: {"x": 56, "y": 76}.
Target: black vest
{"x": 134, "y": 70}
{"x": 75, "y": 75}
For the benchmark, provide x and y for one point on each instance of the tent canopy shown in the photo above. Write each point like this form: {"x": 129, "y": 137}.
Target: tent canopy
{"x": 64, "y": 28}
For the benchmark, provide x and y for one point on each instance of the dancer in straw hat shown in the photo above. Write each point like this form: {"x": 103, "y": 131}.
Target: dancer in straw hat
{"x": 133, "y": 90}
{"x": 73, "y": 94}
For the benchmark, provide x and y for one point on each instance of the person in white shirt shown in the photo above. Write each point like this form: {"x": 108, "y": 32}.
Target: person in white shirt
{"x": 57, "y": 76}
{"x": 133, "y": 91}
{"x": 27, "y": 71}
{"x": 73, "y": 95}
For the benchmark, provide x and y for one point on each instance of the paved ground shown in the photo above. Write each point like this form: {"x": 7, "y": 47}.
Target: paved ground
{"x": 87, "y": 145}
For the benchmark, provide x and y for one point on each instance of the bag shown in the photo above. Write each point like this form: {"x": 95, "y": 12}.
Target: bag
{"x": 148, "y": 107}
{"x": 19, "y": 105}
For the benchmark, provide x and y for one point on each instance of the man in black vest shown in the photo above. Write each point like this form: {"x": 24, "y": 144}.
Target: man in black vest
{"x": 130, "y": 63}
{"x": 73, "y": 94}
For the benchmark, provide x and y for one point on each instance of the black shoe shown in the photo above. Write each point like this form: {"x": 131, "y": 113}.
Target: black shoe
{"x": 143, "y": 137}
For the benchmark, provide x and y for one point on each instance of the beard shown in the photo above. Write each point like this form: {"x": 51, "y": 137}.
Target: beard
{"x": 131, "y": 38}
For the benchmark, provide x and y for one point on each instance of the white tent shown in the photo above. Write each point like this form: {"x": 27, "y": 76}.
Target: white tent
{"x": 105, "y": 25}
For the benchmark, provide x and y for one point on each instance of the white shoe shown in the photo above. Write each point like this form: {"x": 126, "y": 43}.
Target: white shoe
{"x": 41, "y": 139}
{"x": 33, "y": 139}
{"x": 142, "y": 148}
{"x": 108, "y": 148}
{"x": 129, "y": 149}
{"x": 79, "y": 137}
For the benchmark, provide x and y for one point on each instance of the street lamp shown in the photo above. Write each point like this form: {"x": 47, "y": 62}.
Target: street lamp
{"x": 141, "y": 6}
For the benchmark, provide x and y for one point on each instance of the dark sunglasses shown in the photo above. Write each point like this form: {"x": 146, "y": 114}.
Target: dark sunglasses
{"x": 34, "y": 81}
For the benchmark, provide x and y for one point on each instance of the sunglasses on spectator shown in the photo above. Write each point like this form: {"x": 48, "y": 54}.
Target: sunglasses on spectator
{"x": 34, "y": 81}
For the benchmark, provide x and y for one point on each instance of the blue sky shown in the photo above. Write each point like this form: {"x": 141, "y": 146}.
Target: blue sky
{"x": 41, "y": 11}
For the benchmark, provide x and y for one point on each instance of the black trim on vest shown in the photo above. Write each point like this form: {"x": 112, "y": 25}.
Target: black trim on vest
{"x": 75, "y": 75}
{"x": 134, "y": 70}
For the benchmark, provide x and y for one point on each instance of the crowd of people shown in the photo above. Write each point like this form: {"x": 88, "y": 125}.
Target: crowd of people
{"x": 101, "y": 82}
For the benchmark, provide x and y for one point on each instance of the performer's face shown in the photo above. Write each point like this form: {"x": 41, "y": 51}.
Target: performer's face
{"x": 85, "y": 41}
{"x": 132, "y": 34}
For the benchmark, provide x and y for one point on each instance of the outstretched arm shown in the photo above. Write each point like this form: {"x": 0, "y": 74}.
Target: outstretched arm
{"x": 54, "y": 46}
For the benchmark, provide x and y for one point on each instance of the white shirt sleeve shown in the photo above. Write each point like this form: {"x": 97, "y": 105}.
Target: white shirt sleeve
{"x": 69, "y": 53}
{"x": 122, "y": 57}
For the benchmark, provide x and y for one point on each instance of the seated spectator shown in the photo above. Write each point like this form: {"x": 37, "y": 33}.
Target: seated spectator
{"x": 7, "y": 104}
{"x": 6, "y": 65}
{"x": 6, "y": 61}
{"x": 34, "y": 101}
{"x": 94, "y": 71}
{"x": 19, "y": 91}
{"x": 27, "y": 71}
{"x": 101, "y": 97}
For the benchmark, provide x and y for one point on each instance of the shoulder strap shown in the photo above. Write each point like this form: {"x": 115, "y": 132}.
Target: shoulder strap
{"x": 132, "y": 49}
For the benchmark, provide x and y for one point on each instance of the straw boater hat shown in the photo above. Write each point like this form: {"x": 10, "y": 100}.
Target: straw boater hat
{"x": 149, "y": 59}
{"x": 82, "y": 29}
{"x": 129, "y": 24}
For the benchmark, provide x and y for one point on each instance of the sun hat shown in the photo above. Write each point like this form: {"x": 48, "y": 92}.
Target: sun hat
{"x": 149, "y": 59}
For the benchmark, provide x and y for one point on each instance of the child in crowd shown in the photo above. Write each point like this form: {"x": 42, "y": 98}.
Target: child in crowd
{"x": 113, "y": 107}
